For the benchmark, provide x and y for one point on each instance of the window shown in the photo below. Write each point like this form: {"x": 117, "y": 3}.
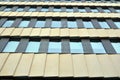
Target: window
{"x": 56, "y": 24}
{"x": 7, "y": 9}
{"x": 81, "y": 10}
{"x": 104, "y": 24}
{"x": 54, "y": 47}
{"x": 8, "y": 23}
{"x": 32, "y": 9}
{"x": 11, "y": 46}
{"x": 88, "y": 24}
{"x": 44, "y": 9}
{"x": 98, "y": 47}
{"x": 24, "y": 23}
{"x": 40, "y": 23}
{"x": 94, "y": 10}
{"x": 57, "y": 9}
{"x": 19, "y": 10}
{"x": 117, "y": 24}
{"x": 76, "y": 47}
{"x": 33, "y": 46}
{"x": 69, "y": 9}
{"x": 72, "y": 24}
{"x": 106, "y": 10}
{"x": 116, "y": 46}
{"x": 118, "y": 10}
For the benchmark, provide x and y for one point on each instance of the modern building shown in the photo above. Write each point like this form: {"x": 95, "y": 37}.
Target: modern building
{"x": 59, "y": 39}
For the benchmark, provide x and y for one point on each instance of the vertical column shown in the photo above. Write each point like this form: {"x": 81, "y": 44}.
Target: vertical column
{"x": 75, "y": 9}
{"x": 95, "y": 23}
{"x": 38, "y": 9}
{"x": 3, "y": 43}
{"x": 14, "y": 8}
{"x": 65, "y": 46}
{"x": 111, "y": 23}
{"x": 32, "y": 22}
{"x": 100, "y": 9}
{"x": 64, "y": 23}
{"x": 87, "y": 9}
{"x": 48, "y": 22}
{"x": 63, "y": 9}
{"x": 79, "y": 23}
{"x": 2, "y": 8}
{"x": 17, "y": 22}
{"x": 51, "y": 9}
{"x": 112, "y": 10}
{"x": 26, "y": 8}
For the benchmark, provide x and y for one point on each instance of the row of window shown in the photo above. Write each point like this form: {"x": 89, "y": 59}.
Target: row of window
{"x": 60, "y": 23}
{"x": 60, "y": 9}
{"x": 60, "y": 46}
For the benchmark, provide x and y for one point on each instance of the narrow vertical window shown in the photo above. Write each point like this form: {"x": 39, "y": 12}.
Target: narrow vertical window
{"x": 24, "y": 23}
{"x": 11, "y": 46}
{"x": 56, "y": 24}
{"x": 72, "y": 24}
{"x": 116, "y": 46}
{"x": 76, "y": 47}
{"x": 8, "y": 23}
{"x": 117, "y": 24}
{"x": 40, "y": 23}
{"x": 54, "y": 47}
{"x": 33, "y": 46}
{"x": 104, "y": 24}
{"x": 88, "y": 24}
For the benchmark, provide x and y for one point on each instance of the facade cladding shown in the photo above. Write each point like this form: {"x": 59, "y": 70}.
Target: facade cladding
{"x": 59, "y": 39}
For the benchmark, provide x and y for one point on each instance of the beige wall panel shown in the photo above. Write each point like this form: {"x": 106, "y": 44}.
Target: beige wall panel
{"x": 13, "y": 14}
{"x": 35, "y": 32}
{"x": 117, "y": 32}
{"x": 66, "y": 66}
{"x": 54, "y": 32}
{"x": 27, "y": 13}
{"x": 7, "y": 31}
{"x": 40, "y": 3}
{"x": 102, "y": 32}
{"x": 42, "y": 14}
{"x": 83, "y": 33}
{"x": 93, "y": 65}
{"x": 49, "y": 14}
{"x": 6, "y": 14}
{"x": 56, "y": 14}
{"x": 64, "y": 32}
{"x": 73, "y": 32}
{"x": 38, "y": 65}
{"x": 70, "y": 14}
{"x": 24, "y": 65}
{"x": 26, "y": 32}
{"x": 45, "y": 32}
{"x": 63, "y": 14}
{"x": 34, "y": 14}
{"x": 3, "y": 57}
{"x": 1, "y": 13}
{"x": 79, "y": 65}
{"x": 107, "y": 66}
{"x": 10, "y": 65}
{"x": 116, "y": 61}
{"x": 52, "y": 65}
{"x": 16, "y": 32}
{"x": 20, "y": 13}
{"x": 1, "y": 30}
{"x": 114, "y": 33}
{"x": 93, "y": 33}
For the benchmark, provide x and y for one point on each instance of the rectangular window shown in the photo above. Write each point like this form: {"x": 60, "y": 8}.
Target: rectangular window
{"x": 94, "y": 10}
{"x": 88, "y": 24}
{"x": 19, "y": 9}
{"x": 72, "y": 24}
{"x": 69, "y": 9}
{"x": 117, "y": 24}
{"x": 40, "y": 23}
{"x": 11, "y": 46}
{"x": 57, "y": 9}
{"x": 32, "y": 9}
{"x": 8, "y": 23}
{"x": 33, "y": 46}
{"x": 116, "y": 46}
{"x": 24, "y": 23}
{"x": 81, "y": 10}
{"x": 7, "y": 9}
{"x": 54, "y": 47}
{"x": 118, "y": 10}
{"x": 44, "y": 9}
{"x": 104, "y": 24}
{"x": 56, "y": 24}
{"x": 106, "y": 10}
{"x": 76, "y": 47}
{"x": 98, "y": 47}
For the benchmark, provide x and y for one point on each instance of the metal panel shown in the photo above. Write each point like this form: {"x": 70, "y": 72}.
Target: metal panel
{"x": 55, "y": 32}
{"x": 38, "y": 9}
{"x": 95, "y": 23}
{"x": 38, "y": 65}
{"x": 3, "y": 43}
{"x": 65, "y": 46}
{"x": 52, "y": 65}
{"x": 3, "y": 57}
{"x": 73, "y": 32}
{"x": 87, "y": 9}
{"x": 32, "y": 22}
{"x": 79, "y": 65}
{"x": 24, "y": 65}
{"x": 14, "y": 8}
{"x": 111, "y": 23}
{"x": 16, "y": 22}
{"x": 10, "y": 65}
{"x": 7, "y": 31}
{"x": 45, "y": 32}
{"x": 16, "y": 32}
{"x": 2, "y": 21}
{"x": 48, "y": 23}
{"x": 35, "y": 32}
{"x": 107, "y": 66}
{"x": 66, "y": 66}
{"x": 64, "y": 32}
{"x": 64, "y": 23}
{"x": 79, "y": 23}
{"x": 26, "y": 32}
{"x": 93, "y": 65}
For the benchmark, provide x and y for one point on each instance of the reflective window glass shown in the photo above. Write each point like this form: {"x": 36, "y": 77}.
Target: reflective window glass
{"x": 40, "y": 23}
{"x": 24, "y": 23}
{"x": 106, "y": 10}
{"x": 44, "y": 9}
{"x": 8, "y": 23}
{"x": 7, "y": 9}
{"x": 69, "y": 9}
{"x": 116, "y": 46}
{"x": 117, "y": 24}
{"x": 82, "y": 10}
{"x": 57, "y": 9}
{"x": 94, "y": 10}
{"x": 88, "y": 24}
{"x": 118, "y": 10}
{"x": 56, "y": 24}
{"x": 32, "y": 9}
{"x": 19, "y": 10}
{"x": 104, "y": 24}
{"x": 72, "y": 24}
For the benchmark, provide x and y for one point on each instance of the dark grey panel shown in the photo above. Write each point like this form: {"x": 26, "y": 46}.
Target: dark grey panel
{"x": 2, "y": 8}
{"x": 2, "y": 21}
{"x": 100, "y": 9}
{"x": 111, "y": 23}
{"x": 32, "y": 22}
{"x": 14, "y": 8}
{"x": 79, "y": 23}
{"x": 75, "y": 9}
{"x": 112, "y": 9}
{"x": 64, "y": 23}
{"x": 38, "y": 9}
{"x": 65, "y": 46}
{"x": 87, "y": 9}
{"x": 17, "y": 22}
{"x": 48, "y": 22}
{"x": 63, "y": 9}
{"x": 95, "y": 23}
{"x": 51, "y": 9}
{"x": 3, "y": 43}
{"x": 26, "y": 8}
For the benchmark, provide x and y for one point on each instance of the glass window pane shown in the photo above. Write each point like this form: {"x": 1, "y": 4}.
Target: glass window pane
{"x": 57, "y": 9}
{"x": 40, "y": 23}
{"x": 7, "y": 9}
{"x": 19, "y": 9}
{"x": 104, "y": 24}
{"x": 72, "y": 24}
{"x": 117, "y": 24}
{"x": 118, "y": 10}
{"x": 54, "y": 47}
{"x": 76, "y": 47}
{"x": 24, "y": 23}
{"x": 69, "y": 9}
{"x": 8, "y": 23}
{"x": 106, "y": 10}
{"x": 88, "y": 24}
{"x": 11, "y": 46}
{"x": 98, "y": 47}
{"x": 32, "y": 9}
{"x": 82, "y": 10}
{"x": 94, "y": 10}
{"x": 56, "y": 24}
{"x": 116, "y": 46}
{"x": 33, "y": 46}
{"x": 44, "y": 9}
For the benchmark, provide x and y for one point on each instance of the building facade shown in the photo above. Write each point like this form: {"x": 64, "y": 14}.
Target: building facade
{"x": 59, "y": 39}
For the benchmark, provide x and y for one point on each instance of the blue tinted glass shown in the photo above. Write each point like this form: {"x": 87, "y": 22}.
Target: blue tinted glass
{"x": 88, "y": 24}
{"x": 7, "y": 9}
{"x": 57, "y": 9}
{"x": 32, "y": 9}
{"x": 82, "y": 10}
{"x": 44, "y": 9}
{"x": 117, "y": 24}
{"x": 118, "y": 10}
{"x": 104, "y": 24}
{"x": 24, "y": 23}
{"x": 116, "y": 46}
{"x": 56, "y": 24}
{"x": 106, "y": 10}
{"x": 72, "y": 24}
{"x": 69, "y": 10}
{"x": 98, "y": 47}
{"x": 54, "y": 47}
{"x": 11, "y": 46}
{"x": 19, "y": 9}
{"x": 40, "y": 23}
{"x": 33, "y": 46}
{"x": 76, "y": 47}
{"x": 8, "y": 23}
{"x": 94, "y": 10}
